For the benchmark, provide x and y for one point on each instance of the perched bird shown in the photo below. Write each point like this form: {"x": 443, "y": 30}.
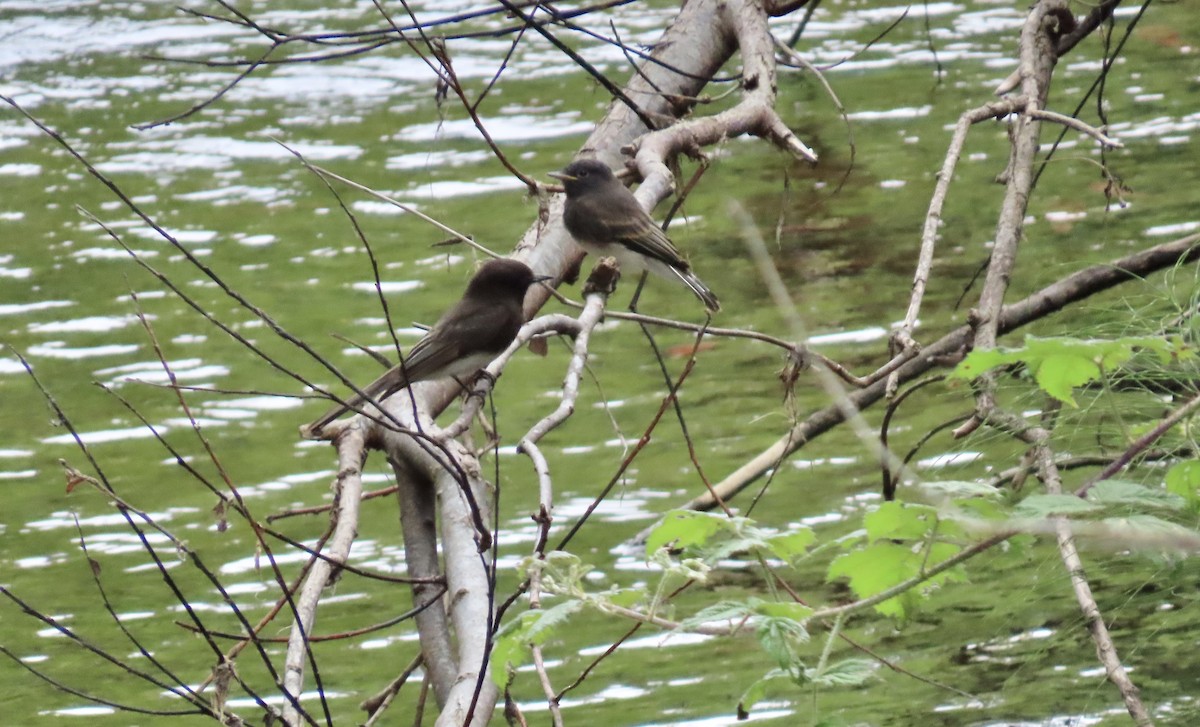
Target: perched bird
{"x": 469, "y": 336}
{"x": 606, "y": 219}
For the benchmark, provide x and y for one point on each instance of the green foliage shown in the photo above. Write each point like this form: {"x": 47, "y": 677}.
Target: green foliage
{"x": 1183, "y": 479}
{"x": 781, "y": 639}
{"x": 900, "y": 521}
{"x": 713, "y": 537}
{"x": 1104, "y": 495}
{"x": 1061, "y": 364}
{"x": 1113, "y": 493}
{"x": 884, "y": 564}
{"x": 532, "y": 628}
{"x": 1041, "y": 506}
{"x": 903, "y": 540}
{"x": 846, "y": 673}
{"x": 681, "y": 529}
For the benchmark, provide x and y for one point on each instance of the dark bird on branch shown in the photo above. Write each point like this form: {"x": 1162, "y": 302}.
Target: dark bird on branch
{"x": 605, "y": 218}
{"x": 468, "y": 337}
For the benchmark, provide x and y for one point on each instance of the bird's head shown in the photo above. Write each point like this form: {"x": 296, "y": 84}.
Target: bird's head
{"x": 582, "y": 175}
{"x": 504, "y": 276}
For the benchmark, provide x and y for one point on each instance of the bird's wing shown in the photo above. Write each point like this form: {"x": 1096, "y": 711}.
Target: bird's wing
{"x": 641, "y": 235}
{"x": 427, "y": 359}
{"x": 627, "y": 223}
{"x": 451, "y": 339}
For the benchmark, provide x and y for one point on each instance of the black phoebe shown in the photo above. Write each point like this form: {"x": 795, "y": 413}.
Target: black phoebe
{"x": 466, "y": 338}
{"x": 605, "y": 218}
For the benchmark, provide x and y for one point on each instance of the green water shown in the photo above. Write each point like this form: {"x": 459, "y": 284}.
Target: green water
{"x": 268, "y": 228}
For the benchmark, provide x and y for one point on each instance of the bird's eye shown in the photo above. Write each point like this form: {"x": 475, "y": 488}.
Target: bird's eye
{"x": 583, "y": 173}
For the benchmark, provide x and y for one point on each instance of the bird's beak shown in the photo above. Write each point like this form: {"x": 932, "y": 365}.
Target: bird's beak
{"x": 562, "y": 177}
{"x": 542, "y": 278}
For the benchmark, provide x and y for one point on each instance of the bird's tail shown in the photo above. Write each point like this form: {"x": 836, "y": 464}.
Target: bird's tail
{"x": 698, "y": 287}
{"x": 377, "y": 390}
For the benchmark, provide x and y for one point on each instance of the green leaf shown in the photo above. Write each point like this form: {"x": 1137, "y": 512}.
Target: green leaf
{"x": 795, "y": 611}
{"x": 847, "y": 673}
{"x": 980, "y": 361}
{"x": 684, "y": 529}
{"x": 899, "y": 521}
{"x": 879, "y": 566}
{"x": 1058, "y": 375}
{"x": 874, "y": 569}
{"x": 1183, "y": 479}
{"x": 1119, "y": 492}
{"x": 1048, "y": 505}
{"x": 781, "y": 638}
{"x": 720, "y": 611}
{"x": 536, "y": 626}
{"x": 1061, "y": 364}
{"x": 626, "y": 597}
{"x": 978, "y": 508}
{"x": 758, "y": 690}
{"x": 790, "y": 546}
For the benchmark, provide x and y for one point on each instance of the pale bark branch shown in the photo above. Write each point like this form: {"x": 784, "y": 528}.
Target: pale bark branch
{"x": 345, "y": 517}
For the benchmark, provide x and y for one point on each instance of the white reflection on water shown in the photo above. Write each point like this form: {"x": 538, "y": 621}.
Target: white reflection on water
{"x": 65, "y": 519}
{"x": 256, "y": 403}
{"x": 108, "y": 253}
{"x": 518, "y": 127}
{"x": 20, "y": 170}
{"x": 437, "y": 159}
{"x": 862, "y": 335}
{"x": 152, "y": 372}
{"x": 17, "y": 475}
{"x": 457, "y": 188}
{"x": 104, "y": 436}
{"x": 15, "y": 273}
{"x": 9, "y": 309}
{"x": 11, "y": 366}
{"x": 58, "y": 349}
{"x": 90, "y": 324}
{"x": 949, "y": 459}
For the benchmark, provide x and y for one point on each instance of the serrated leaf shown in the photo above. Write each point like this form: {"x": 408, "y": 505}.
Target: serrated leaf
{"x": 874, "y": 569}
{"x": 879, "y": 566}
{"x": 1059, "y": 375}
{"x": 1069, "y": 358}
{"x": 626, "y": 597}
{"x": 1119, "y": 492}
{"x": 684, "y": 529}
{"x": 978, "y": 362}
{"x": 1039, "y": 506}
{"x": 510, "y": 648}
{"x": 1183, "y": 479}
{"x": 780, "y": 637}
{"x": 721, "y": 547}
{"x": 512, "y": 642}
{"x": 794, "y": 611}
{"x": 756, "y": 691}
{"x": 977, "y": 508}
{"x": 846, "y": 673}
{"x": 899, "y": 521}
{"x": 720, "y": 611}
{"x": 791, "y": 545}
